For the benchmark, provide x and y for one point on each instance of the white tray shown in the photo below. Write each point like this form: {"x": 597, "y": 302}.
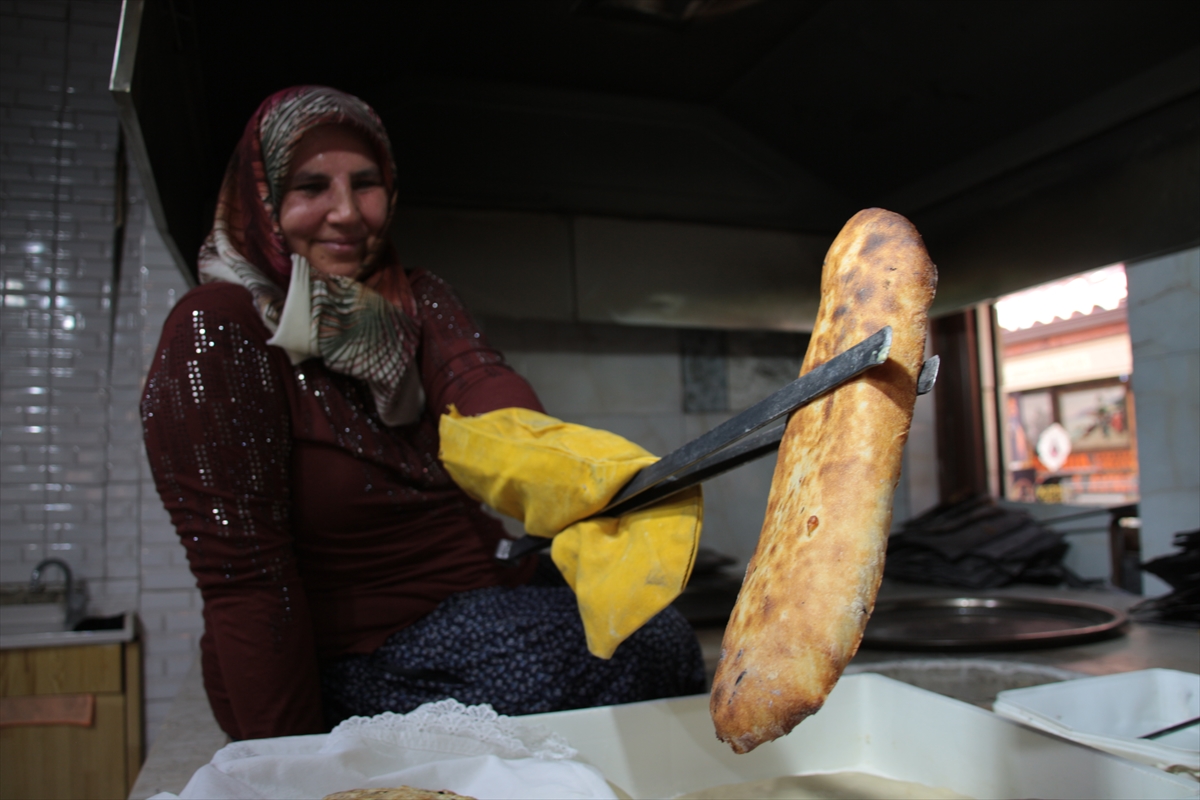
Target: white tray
{"x": 870, "y": 723}
{"x": 1110, "y": 713}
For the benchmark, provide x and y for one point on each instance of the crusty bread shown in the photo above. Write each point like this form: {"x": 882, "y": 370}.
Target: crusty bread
{"x": 811, "y": 584}
{"x": 398, "y": 793}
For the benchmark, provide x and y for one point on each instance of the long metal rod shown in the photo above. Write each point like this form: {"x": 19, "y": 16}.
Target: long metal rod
{"x": 868, "y": 353}
{"x": 751, "y": 448}
{"x": 730, "y": 444}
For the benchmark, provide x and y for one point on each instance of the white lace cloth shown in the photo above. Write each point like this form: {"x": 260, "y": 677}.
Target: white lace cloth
{"x": 471, "y": 750}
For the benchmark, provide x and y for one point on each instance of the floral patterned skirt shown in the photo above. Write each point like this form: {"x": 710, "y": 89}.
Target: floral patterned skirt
{"x": 521, "y": 650}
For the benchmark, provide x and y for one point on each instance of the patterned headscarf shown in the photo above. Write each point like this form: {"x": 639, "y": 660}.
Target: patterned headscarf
{"x": 362, "y": 326}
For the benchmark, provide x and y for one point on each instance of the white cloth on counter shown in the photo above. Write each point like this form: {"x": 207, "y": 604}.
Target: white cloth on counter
{"x": 470, "y": 750}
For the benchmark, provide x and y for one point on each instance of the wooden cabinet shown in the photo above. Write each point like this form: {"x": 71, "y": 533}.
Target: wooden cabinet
{"x": 65, "y": 762}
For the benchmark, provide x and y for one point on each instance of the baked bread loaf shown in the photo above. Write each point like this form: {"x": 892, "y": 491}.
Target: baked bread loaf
{"x": 398, "y": 793}
{"x": 811, "y": 584}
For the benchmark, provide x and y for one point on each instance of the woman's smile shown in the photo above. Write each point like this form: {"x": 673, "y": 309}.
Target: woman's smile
{"x": 345, "y": 246}
{"x": 334, "y": 204}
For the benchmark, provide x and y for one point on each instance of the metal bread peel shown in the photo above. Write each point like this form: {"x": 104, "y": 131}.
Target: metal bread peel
{"x": 738, "y": 440}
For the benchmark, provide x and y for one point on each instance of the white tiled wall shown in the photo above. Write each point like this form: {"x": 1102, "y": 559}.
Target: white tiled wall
{"x": 73, "y": 475}
{"x": 168, "y": 602}
{"x": 1164, "y": 329}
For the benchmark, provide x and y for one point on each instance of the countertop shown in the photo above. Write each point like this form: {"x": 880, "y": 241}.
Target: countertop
{"x": 190, "y": 736}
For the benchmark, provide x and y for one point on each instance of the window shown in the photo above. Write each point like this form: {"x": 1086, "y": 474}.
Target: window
{"x": 1068, "y": 429}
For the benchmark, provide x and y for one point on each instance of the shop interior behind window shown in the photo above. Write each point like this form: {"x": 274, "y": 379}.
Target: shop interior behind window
{"x": 1049, "y": 392}
{"x": 1067, "y": 398}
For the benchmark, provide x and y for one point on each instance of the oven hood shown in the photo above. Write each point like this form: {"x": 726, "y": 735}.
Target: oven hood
{"x": 606, "y": 161}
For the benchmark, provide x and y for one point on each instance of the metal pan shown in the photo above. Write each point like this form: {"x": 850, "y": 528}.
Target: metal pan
{"x": 987, "y": 623}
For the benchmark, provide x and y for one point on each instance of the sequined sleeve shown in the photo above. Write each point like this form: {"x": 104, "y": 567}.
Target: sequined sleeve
{"x": 216, "y": 420}
{"x": 457, "y": 364}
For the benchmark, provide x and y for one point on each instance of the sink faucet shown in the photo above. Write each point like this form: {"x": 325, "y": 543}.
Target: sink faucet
{"x": 75, "y": 602}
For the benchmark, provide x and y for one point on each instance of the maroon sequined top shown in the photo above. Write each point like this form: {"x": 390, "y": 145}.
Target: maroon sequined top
{"x": 313, "y": 530}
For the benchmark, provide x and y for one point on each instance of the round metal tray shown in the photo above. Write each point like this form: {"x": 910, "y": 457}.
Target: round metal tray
{"x": 987, "y": 623}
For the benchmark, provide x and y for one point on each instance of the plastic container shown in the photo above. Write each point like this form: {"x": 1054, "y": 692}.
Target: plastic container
{"x": 870, "y": 724}
{"x": 1110, "y": 713}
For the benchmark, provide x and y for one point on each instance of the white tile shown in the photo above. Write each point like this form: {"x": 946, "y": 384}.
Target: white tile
{"x": 920, "y": 458}
{"x": 734, "y": 506}
{"x": 168, "y": 578}
{"x": 571, "y": 383}
{"x": 188, "y": 621}
{"x": 1164, "y": 298}
{"x": 121, "y": 567}
{"x": 1163, "y": 322}
{"x": 1089, "y": 555}
{"x": 13, "y": 573}
{"x": 176, "y": 668}
{"x": 154, "y": 622}
{"x": 158, "y": 685}
{"x": 104, "y": 602}
{"x": 1165, "y": 513}
{"x": 169, "y": 644}
{"x": 170, "y": 600}
{"x": 753, "y": 378}
{"x": 157, "y": 555}
{"x": 695, "y": 425}
{"x": 1149, "y": 280}
{"x": 1167, "y": 395}
{"x": 657, "y": 433}
{"x": 122, "y": 589}
{"x": 156, "y": 522}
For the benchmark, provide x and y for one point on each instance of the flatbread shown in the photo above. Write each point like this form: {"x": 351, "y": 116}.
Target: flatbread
{"x": 396, "y": 793}
{"x": 828, "y": 786}
{"x": 811, "y": 584}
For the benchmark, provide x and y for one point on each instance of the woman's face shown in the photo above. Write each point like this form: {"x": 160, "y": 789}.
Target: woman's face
{"x": 334, "y": 204}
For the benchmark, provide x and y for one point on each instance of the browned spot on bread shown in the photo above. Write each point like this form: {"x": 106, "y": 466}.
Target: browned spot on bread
{"x": 887, "y": 379}
{"x": 812, "y": 524}
{"x": 771, "y": 502}
{"x": 833, "y": 469}
{"x": 874, "y": 242}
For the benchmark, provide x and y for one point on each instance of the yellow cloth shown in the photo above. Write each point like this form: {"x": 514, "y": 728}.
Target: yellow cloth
{"x": 548, "y": 473}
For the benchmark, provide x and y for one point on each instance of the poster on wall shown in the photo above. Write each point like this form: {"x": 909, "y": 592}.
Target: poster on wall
{"x": 1095, "y": 418}
{"x": 1037, "y": 413}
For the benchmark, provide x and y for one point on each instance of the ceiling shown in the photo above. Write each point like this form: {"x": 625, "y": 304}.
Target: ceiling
{"x": 1026, "y": 139}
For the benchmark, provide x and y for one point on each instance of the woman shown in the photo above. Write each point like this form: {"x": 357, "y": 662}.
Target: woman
{"x": 291, "y": 420}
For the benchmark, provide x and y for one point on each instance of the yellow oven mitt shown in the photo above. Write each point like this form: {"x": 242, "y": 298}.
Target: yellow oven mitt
{"x": 548, "y": 473}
